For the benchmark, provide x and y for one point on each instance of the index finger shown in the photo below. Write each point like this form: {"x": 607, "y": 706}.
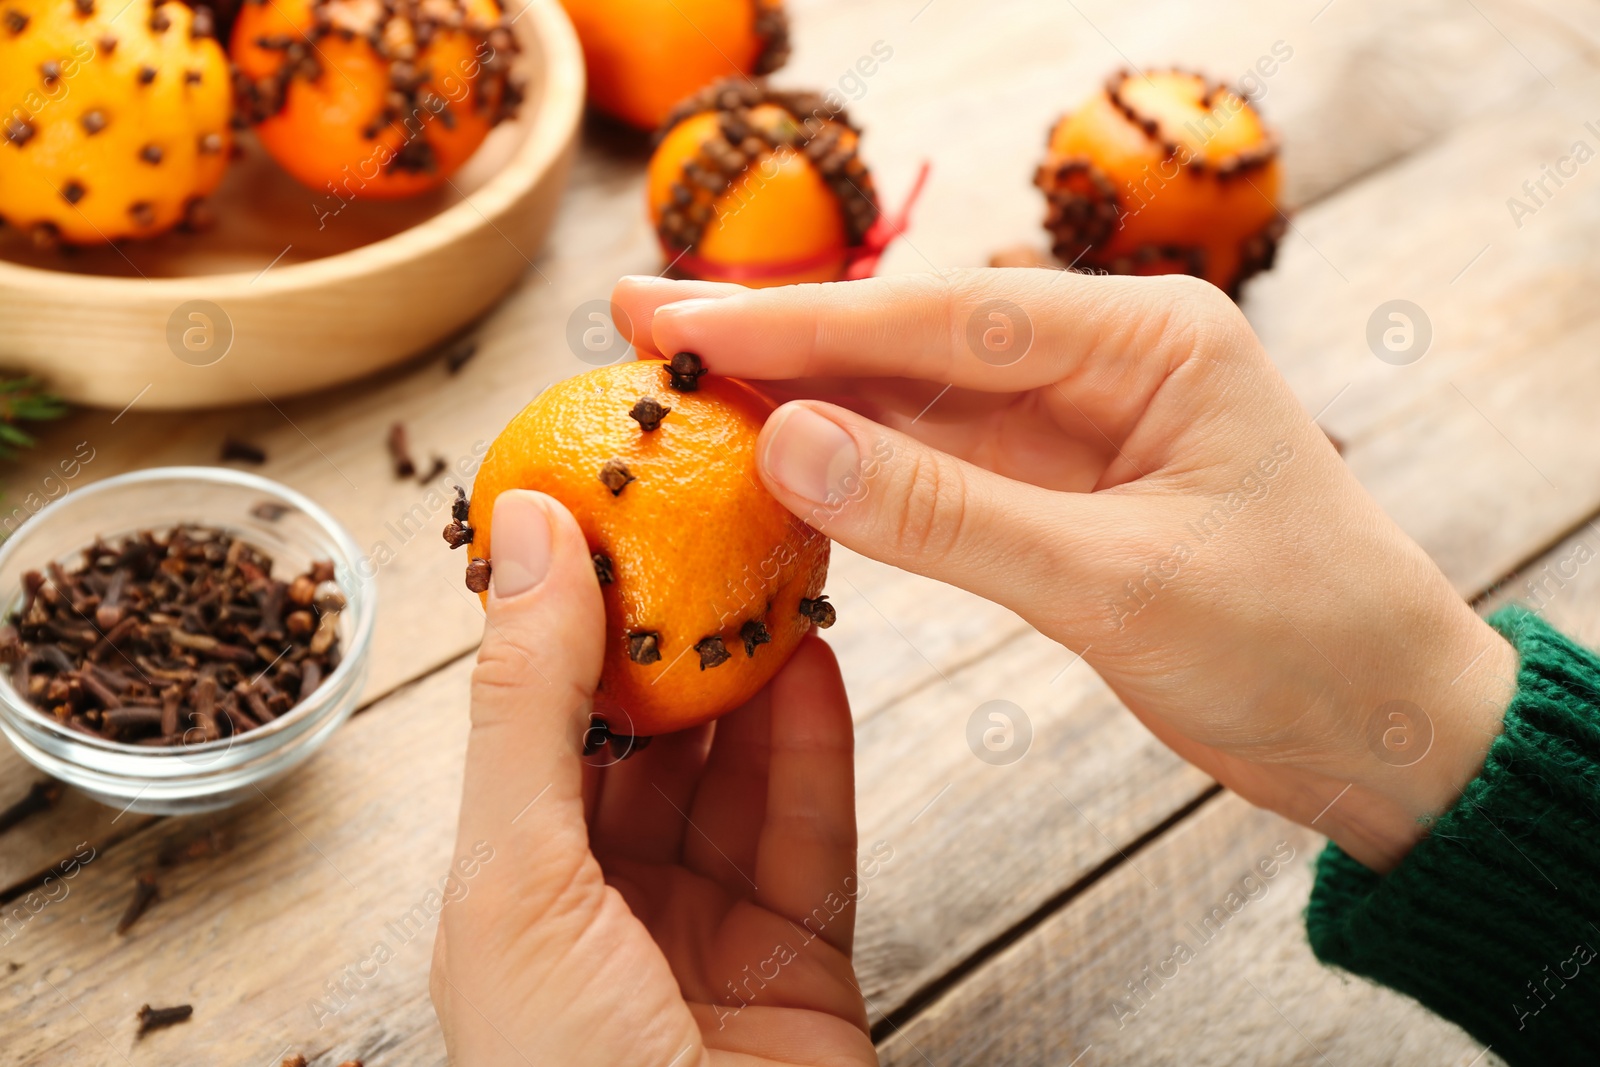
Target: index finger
{"x": 994, "y": 330}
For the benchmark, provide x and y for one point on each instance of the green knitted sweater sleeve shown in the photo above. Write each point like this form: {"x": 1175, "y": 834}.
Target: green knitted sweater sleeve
{"x": 1493, "y": 919}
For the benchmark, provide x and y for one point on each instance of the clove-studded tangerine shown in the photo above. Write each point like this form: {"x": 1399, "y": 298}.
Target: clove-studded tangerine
{"x": 115, "y": 120}
{"x": 709, "y": 583}
{"x": 363, "y": 99}
{"x": 760, "y": 186}
{"x": 1164, "y": 172}
{"x": 643, "y": 56}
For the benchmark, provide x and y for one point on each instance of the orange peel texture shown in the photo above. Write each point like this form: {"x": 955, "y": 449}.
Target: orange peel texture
{"x": 709, "y": 583}
{"x": 115, "y": 121}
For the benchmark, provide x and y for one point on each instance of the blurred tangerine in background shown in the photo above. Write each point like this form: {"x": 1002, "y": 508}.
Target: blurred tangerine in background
{"x": 760, "y": 186}
{"x": 644, "y": 56}
{"x": 1164, "y": 172}
{"x": 374, "y": 100}
{"x": 117, "y": 120}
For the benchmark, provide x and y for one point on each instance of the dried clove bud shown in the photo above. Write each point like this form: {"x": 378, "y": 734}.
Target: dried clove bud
{"x": 819, "y": 611}
{"x": 624, "y": 745}
{"x": 614, "y": 475}
{"x": 603, "y": 568}
{"x": 236, "y": 450}
{"x": 684, "y": 371}
{"x": 594, "y": 738}
{"x": 478, "y": 572}
{"x": 327, "y": 633}
{"x": 713, "y": 653}
{"x": 329, "y": 597}
{"x": 754, "y": 633}
{"x": 648, "y": 413}
{"x": 145, "y": 893}
{"x": 459, "y": 507}
{"x": 40, "y": 797}
{"x": 644, "y": 647}
{"x": 436, "y": 467}
{"x": 400, "y": 452}
{"x": 156, "y": 1018}
{"x": 458, "y": 356}
{"x": 302, "y": 590}
{"x": 457, "y": 534}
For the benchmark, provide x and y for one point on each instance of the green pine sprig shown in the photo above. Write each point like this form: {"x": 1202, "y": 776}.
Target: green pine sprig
{"x": 24, "y": 400}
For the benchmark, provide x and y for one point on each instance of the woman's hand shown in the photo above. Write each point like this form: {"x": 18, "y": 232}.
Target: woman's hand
{"x": 1117, "y": 460}
{"x": 692, "y": 905}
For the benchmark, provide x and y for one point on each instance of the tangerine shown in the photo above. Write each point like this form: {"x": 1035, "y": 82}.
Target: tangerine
{"x": 1164, "y": 172}
{"x": 118, "y": 120}
{"x": 709, "y": 583}
{"x": 643, "y": 56}
{"x": 370, "y": 99}
{"x": 759, "y": 186}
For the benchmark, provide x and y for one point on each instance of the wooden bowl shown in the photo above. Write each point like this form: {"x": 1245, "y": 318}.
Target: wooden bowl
{"x": 293, "y": 290}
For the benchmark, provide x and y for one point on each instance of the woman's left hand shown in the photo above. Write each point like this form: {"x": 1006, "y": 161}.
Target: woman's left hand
{"x": 693, "y": 905}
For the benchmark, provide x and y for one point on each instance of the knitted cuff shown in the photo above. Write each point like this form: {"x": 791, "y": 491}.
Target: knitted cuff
{"x": 1493, "y": 919}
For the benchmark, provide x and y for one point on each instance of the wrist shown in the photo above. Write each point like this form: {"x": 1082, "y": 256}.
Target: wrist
{"x": 1422, "y": 750}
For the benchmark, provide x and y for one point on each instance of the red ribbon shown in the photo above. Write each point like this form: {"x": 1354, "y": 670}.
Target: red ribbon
{"x": 861, "y": 261}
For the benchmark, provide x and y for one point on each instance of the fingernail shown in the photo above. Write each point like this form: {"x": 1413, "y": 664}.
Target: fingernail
{"x": 683, "y": 311}
{"x": 520, "y": 542}
{"x": 810, "y": 455}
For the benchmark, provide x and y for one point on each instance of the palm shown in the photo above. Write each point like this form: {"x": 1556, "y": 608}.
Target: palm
{"x": 732, "y": 874}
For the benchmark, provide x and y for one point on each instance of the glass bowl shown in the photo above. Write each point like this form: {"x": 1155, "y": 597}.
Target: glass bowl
{"x": 207, "y": 775}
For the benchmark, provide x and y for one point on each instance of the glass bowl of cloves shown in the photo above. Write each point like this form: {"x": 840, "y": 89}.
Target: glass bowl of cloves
{"x": 173, "y": 639}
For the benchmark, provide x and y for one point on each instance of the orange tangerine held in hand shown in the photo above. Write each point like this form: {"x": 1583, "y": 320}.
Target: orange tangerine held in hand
{"x": 709, "y": 583}
{"x": 644, "y": 56}
{"x": 374, "y": 99}
{"x": 759, "y": 186}
{"x": 1163, "y": 172}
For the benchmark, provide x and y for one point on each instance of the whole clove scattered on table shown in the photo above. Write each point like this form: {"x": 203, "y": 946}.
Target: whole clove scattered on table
{"x": 40, "y": 797}
{"x": 436, "y": 466}
{"x": 399, "y": 446}
{"x": 157, "y": 1018}
{"x": 458, "y": 357}
{"x": 174, "y": 638}
{"x": 237, "y": 451}
{"x": 145, "y": 893}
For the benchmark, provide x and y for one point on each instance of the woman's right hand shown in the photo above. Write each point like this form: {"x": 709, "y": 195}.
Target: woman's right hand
{"x": 1117, "y": 460}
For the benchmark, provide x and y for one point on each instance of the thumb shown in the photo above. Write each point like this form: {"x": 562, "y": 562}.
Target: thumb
{"x": 534, "y": 682}
{"x": 889, "y": 496}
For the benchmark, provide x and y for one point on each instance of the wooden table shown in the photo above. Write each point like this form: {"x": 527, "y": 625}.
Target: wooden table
{"x": 1023, "y": 903}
